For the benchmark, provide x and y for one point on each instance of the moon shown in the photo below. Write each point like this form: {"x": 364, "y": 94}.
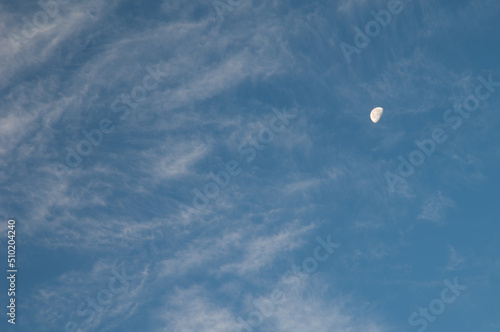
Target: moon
{"x": 376, "y": 113}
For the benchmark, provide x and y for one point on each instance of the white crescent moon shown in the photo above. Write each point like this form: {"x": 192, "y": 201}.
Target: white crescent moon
{"x": 376, "y": 113}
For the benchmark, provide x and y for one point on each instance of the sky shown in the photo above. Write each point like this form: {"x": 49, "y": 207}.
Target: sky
{"x": 211, "y": 165}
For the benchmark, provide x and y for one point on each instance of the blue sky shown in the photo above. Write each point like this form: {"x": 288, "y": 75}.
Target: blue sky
{"x": 211, "y": 166}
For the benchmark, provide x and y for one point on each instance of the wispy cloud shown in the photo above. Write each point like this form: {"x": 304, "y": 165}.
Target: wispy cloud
{"x": 434, "y": 208}
{"x": 254, "y": 251}
{"x": 455, "y": 261}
